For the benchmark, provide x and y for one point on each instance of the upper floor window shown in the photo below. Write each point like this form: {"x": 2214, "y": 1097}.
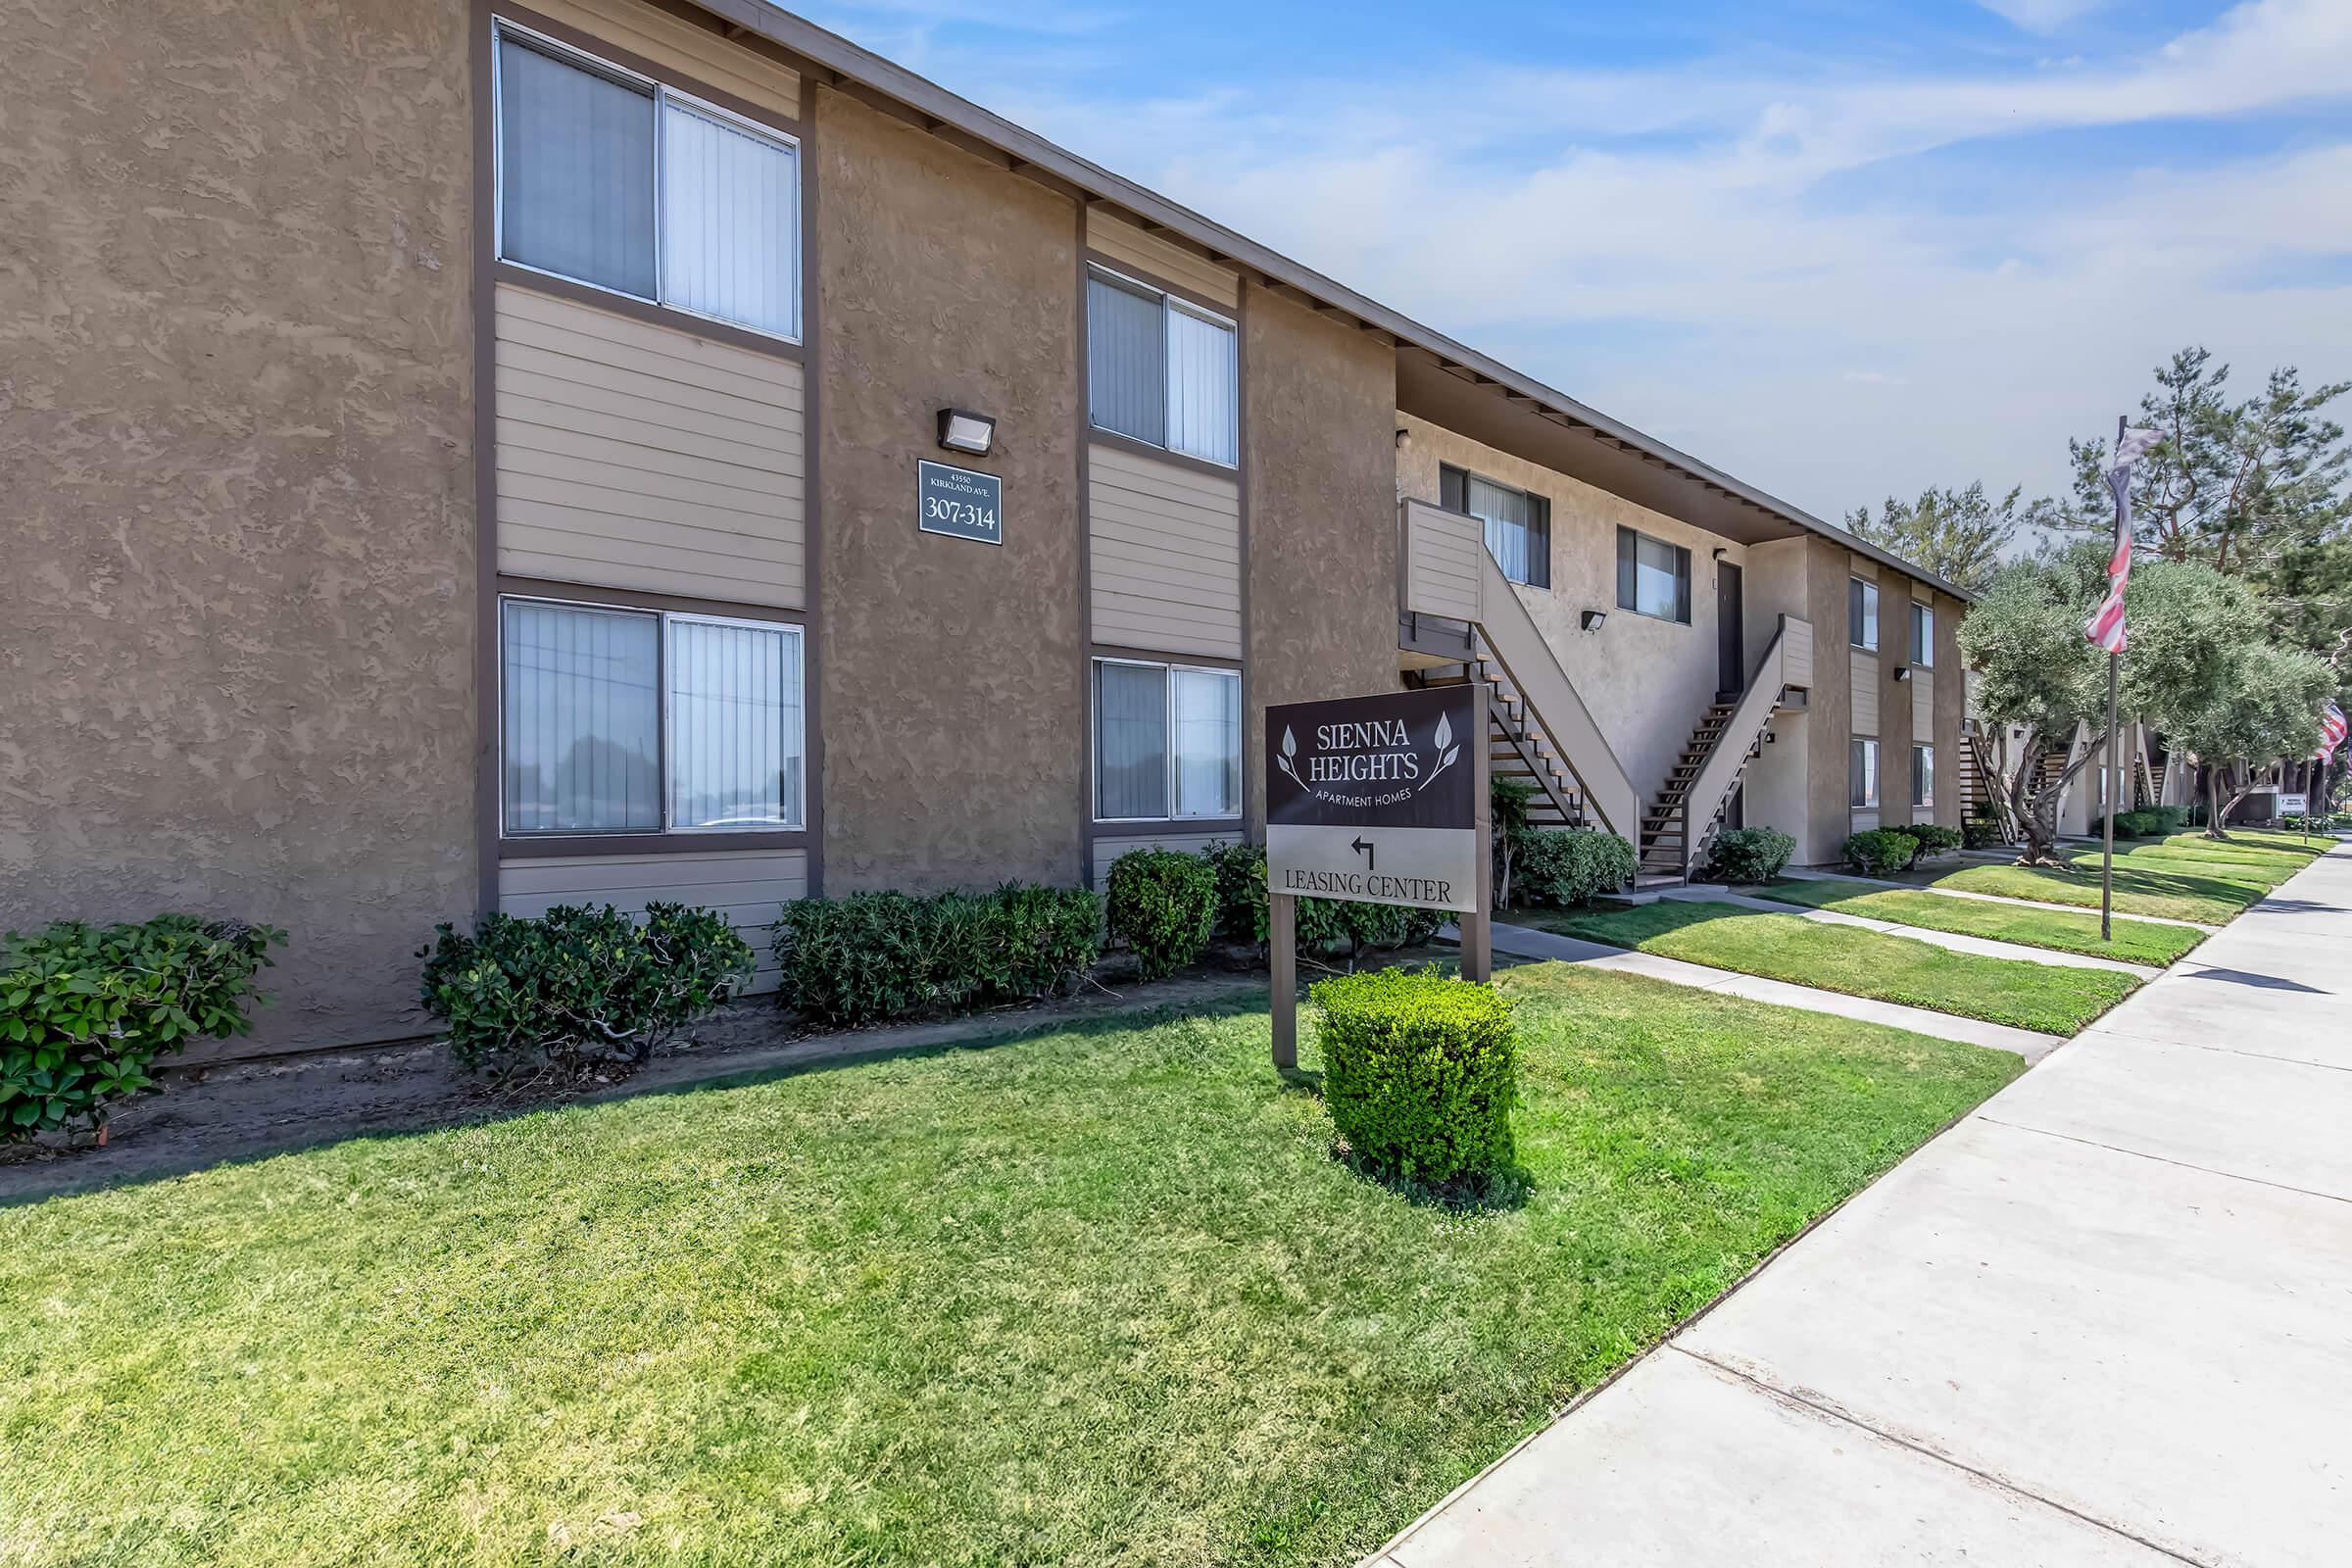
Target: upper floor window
{"x": 616, "y": 720}
{"x": 612, "y": 181}
{"x": 1862, "y": 614}
{"x": 1518, "y": 524}
{"x": 1923, "y": 635}
{"x": 1161, "y": 371}
{"x": 1653, "y": 577}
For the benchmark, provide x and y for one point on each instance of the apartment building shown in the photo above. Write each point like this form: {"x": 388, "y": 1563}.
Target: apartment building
{"x": 481, "y": 456}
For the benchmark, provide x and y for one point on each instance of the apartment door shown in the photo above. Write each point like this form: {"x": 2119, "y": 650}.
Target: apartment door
{"x": 1731, "y": 637}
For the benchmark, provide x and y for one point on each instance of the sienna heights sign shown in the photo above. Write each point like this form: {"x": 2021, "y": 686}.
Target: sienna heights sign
{"x": 1376, "y": 800}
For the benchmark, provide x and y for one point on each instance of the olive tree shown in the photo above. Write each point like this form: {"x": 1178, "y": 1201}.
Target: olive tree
{"x": 2268, "y": 709}
{"x": 2038, "y": 681}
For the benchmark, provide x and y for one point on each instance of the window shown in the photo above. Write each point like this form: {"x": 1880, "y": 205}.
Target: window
{"x": 1923, "y": 635}
{"x": 609, "y": 180}
{"x": 1167, "y": 741}
{"x": 1653, "y": 577}
{"x": 1923, "y": 775}
{"x": 1862, "y": 774}
{"x": 1160, "y": 370}
{"x": 1518, "y": 524}
{"x": 630, "y": 721}
{"x": 1862, "y": 612}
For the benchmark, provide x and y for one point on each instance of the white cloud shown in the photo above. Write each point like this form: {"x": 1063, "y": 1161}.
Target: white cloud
{"x": 2042, "y": 16}
{"x": 1693, "y": 255}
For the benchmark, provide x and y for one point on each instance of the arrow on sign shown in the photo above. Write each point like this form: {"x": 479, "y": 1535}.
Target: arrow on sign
{"x": 1366, "y": 849}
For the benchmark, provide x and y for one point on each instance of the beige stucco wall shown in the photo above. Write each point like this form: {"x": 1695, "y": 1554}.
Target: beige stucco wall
{"x": 1894, "y": 699}
{"x": 1647, "y": 681}
{"x": 1952, "y": 708}
{"x": 1317, "y": 436}
{"x": 955, "y": 711}
{"x": 237, "y": 614}
{"x": 1829, "y": 718}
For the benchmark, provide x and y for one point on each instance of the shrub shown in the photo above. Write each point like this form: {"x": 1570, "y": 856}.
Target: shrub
{"x": 1320, "y": 924}
{"x": 1420, "y": 1072}
{"x": 1881, "y": 852}
{"x": 1569, "y": 865}
{"x": 1934, "y": 838}
{"x": 577, "y": 988}
{"x": 870, "y": 957}
{"x": 1750, "y": 854}
{"x": 1977, "y": 833}
{"x": 1241, "y": 873}
{"x": 2147, "y": 824}
{"x": 85, "y": 1008}
{"x": 1164, "y": 904}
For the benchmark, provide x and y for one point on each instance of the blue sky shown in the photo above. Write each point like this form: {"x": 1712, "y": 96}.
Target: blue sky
{"x": 1839, "y": 249}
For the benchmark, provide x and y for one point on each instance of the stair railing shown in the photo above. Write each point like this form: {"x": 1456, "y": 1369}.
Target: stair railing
{"x": 1703, "y": 801}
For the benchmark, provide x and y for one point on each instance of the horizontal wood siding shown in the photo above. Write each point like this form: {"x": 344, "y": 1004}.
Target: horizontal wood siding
{"x": 1796, "y": 652}
{"x": 1165, "y": 555}
{"x": 748, "y": 886}
{"x": 673, "y": 43}
{"x": 1865, "y": 675}
{"x": 1923, "y": 706}
{"x": 1442, "y": 564}
{"x": 1149, "y": 254}
{"x": 1110, "y": 850}
{"x": 634, "y": 455}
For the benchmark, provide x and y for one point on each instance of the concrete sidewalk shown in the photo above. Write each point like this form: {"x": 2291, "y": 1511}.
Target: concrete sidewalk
{"x": 2106, "y": 1319}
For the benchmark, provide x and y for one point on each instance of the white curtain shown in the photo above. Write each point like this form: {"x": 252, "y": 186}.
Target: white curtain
{"x": 1203, "y": 405}
{"x": 1657, "y": 567}
{"x": 1509, "y": 521}
{"x": 1131, "y": 740}
{"x": 1207, "y": 707}
{"x": 730, "y": 224}
{"x": 1126, "y": 362}
{"x": 575, "y": 179}
{"x": 582, "y": 719}
{"x": 734, "y": 725}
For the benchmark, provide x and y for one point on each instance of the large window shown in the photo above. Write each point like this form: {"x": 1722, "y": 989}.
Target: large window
{"x": 1923, "y": 775}
{"x": 1861, "y": 613}
{"x": 629, "y": 722}
{"x": 1653, "y": 577}
{"x": 1862, "y": 774}
{"x": 1923, "y": 635}
{"x": 1160, "y": 370}
{"x": 610, "y": 179}
{"x": 1167, "y": 741}
{"x": 1518, "y": 524}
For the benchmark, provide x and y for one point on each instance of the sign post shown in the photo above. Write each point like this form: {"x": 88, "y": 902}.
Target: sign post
{"x": 1376, "y": 800}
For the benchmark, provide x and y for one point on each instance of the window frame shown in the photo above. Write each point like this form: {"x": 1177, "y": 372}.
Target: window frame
{"x": 1538, "y": 518}
{"x": 1923, "y": 751}
{"x": 1868, "y": 597}
{"x": 1923, "y": 648}
{"x": 661, "y": 93}
{"x": 1168, "y": 301}
{"x": 1685, "y": 592}
{"x": 663, "y": 726}
{"x": 1170, "y": 666}
{"x": 1874, "y": 790}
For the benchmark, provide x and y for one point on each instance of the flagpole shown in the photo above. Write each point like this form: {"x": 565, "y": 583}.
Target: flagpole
{"x": 2107, "y": 785}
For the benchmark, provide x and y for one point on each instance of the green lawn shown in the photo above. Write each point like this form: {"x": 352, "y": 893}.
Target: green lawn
{"x": 2181, "y": 878}
{"x": 2136, "y": 940}
{"x": 1099, "y": 1296}
{"x": 1861, "y": 963}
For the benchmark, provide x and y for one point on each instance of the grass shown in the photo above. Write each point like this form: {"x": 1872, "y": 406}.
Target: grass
{"x": 2184, "y": 877}
{"x": 1848, "y": 958}
{"x": 1100, "y": 1296}
{"x": 2136, "y": 940}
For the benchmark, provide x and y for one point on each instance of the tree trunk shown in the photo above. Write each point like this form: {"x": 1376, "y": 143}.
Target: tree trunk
{"x": 2215, "y": 809}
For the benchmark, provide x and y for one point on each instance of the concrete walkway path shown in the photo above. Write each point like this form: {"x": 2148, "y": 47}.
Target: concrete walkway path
{"x": 1525, "y": 942}
{"x": 1956, "y": 941}
{"x": 1804, "y": 876}
{"x": 2105, "y": 1319}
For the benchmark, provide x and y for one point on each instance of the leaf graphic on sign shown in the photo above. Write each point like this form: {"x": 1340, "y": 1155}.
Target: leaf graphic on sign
{"x": 1444, "y": 736}
{"x": 1448, "y": 759}
{"x": 1290, "y": 749}
{"x": 1289, "y": 742}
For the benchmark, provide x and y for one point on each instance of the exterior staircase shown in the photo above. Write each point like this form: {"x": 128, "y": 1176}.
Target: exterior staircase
{"x": 1517, "y": 746}
{"x": 1682, "y": 821}
{"x": 1666, "y": 847}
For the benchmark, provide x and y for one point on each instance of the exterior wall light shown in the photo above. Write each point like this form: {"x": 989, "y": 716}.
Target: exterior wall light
{"x": 962, "y": 430}
{"x": 1591, "y": 620}
{"x": 1902, "y": 672}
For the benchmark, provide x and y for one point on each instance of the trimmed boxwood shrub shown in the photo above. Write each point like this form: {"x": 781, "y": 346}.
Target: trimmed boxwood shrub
{"x": 1322, "y": 924}
{"x": 1743, "y": 854}
{"x": 1568, "y": 866}
{"x": 872, "y": 956}
{"x": 1420, "y": 1073}
{"x": 579, "y": 988}
{"x": 1934, "y": 838}
{"x": 85, "y": 1010}
{"x": 1164, "y": 904}
{"x": 1881, "y": 852}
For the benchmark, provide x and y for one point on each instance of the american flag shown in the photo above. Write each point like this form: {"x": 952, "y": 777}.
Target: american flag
{"x": 2331, "y": 732}
{"x": 2105, "y": 628}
